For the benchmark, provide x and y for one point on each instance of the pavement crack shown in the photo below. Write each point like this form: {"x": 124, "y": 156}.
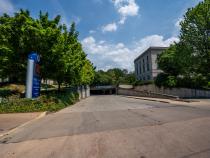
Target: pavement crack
{"x": 196, "y": 153}
{"x": 156, "y": 122}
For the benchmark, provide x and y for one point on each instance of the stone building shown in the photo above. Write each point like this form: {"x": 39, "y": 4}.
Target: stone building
{"x": 145, "y": 64}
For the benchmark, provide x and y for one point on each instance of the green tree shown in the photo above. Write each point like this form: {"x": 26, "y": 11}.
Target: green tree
{"x": 102, "y": 78}
{"x": 189, "y": 60}
{"x": 129, "y": 78}
{"x": 18, "y": 36}
{"x": 87, "y": 73}
{"x": 62, "y": 56}
{"x": 114, "y": 76}
{"x": 194, "y": 35}
{"x": 75, "y": 57}
{"x": 50, "y": 45}
{"x": 168, "y": 61}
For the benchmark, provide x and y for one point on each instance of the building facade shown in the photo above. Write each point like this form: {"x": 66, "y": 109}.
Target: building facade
{"x": 146, "y": 65}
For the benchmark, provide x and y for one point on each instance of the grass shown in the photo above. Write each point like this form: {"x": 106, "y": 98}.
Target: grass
{"x": 52, "y": 101}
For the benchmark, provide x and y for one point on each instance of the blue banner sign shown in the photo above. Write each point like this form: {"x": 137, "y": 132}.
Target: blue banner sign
{"x": 33, "y": 82}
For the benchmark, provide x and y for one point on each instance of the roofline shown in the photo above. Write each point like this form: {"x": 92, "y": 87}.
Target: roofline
{"x": 150, "y": 48}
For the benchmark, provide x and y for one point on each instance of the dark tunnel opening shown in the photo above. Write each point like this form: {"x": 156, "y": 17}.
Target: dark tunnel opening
{"x": 103, "y": 92}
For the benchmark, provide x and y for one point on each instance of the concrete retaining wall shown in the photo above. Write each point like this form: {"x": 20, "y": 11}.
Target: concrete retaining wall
{"x": 125, "y": 86}
{"x": 133, "y": 92}
{"x": 152, "y": 90}
{"x": 181, "y": 92}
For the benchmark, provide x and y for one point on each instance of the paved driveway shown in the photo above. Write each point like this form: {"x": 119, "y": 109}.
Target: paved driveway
{"x": 114, "y": 127}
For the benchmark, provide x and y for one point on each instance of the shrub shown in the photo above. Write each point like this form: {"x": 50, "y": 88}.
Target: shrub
{"x": 171, "y": 82}
{"x": 165, "y": 80}
{"x": 197, "y": 81}
{"x": 160, "y": 79}
{"x": 49, "y": 102}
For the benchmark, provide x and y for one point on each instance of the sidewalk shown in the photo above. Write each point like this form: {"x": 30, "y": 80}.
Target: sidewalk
{"x": 204, "y": 103}
{"x": 11, "y": 121}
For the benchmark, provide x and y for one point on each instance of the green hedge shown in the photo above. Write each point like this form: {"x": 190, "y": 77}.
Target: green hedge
{"x": 48, "y": 102}
{"x": 197, "y": 81}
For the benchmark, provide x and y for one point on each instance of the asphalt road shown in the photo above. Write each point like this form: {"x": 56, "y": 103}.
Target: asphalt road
{"x": 114, "y": 127}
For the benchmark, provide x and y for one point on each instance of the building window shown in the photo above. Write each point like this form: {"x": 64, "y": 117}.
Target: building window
{"x": 147, "y": 63}
{"x": 148, "y": 77}
{"x": 140, "y": 67}
{"x": 143, "y": 66}
{"x": 136, "y": 69}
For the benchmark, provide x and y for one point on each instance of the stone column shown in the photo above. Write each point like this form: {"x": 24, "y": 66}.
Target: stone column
{"x": 87, "y": 91}
{"x": 79, "y": 92}
{"x": 83, "y": 92}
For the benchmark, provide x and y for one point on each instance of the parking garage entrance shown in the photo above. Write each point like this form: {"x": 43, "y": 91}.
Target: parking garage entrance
{"x": 103, "y": 90}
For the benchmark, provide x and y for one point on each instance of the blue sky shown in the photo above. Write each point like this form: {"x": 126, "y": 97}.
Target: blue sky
{"x": 113, "y": 32}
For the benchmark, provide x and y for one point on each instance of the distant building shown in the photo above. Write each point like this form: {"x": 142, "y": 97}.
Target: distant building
{"x": 146, "y": 65}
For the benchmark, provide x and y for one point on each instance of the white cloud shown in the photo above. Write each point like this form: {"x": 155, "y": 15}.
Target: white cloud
{"x": 125, "y": 8}
{"x": 102, "y": 42}
{"x": 154, "y": 40}
{"x": 177, "y": 23}
{"x": 6, "y": 6}
{"x": 88, "y": 41}
{"x": 177, "y": 26}
{"x": 109, "y": 27}
{"x": 92, "y": 31}
{"x": 105, "y": 55}
{"x": 122, "y": 20}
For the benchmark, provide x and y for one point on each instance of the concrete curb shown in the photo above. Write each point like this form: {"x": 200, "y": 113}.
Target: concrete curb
{"x": 43, "y": 114}
{"x": 147, "y": 99}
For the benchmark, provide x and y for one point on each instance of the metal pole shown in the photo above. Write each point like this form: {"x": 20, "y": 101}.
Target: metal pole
{"x": 29, "y": 78}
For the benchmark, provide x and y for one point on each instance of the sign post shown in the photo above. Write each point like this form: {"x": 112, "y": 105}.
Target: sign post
{"x": 33, "y": 81}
